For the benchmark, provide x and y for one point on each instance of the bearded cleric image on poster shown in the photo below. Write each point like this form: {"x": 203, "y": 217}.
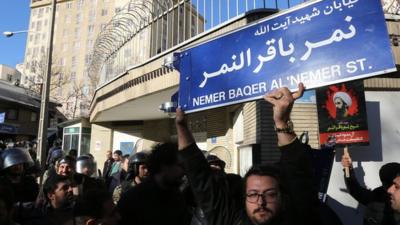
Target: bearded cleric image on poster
{"x": 342, "y": 113}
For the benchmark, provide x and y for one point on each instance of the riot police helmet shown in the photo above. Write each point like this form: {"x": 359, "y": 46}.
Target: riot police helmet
{"x": 85, "y": 165}
{"x": 14, "y": 156}
{"x": 56, "y": 155}
{"x": 135, "y": 160}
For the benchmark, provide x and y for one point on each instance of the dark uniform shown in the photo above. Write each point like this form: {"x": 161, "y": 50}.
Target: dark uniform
{"x": 149, "y": 204}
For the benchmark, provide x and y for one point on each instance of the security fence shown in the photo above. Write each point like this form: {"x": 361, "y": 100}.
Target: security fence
{"x": 143, "y": 29}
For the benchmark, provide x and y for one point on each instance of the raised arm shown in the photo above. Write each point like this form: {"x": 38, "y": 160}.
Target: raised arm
{"x": 282, "y": 102}
{"x": 211, "y": 190}
{"x": 185, "y": 137}
{"x": 361, "y": 194}
{"x": 295, "y": 161}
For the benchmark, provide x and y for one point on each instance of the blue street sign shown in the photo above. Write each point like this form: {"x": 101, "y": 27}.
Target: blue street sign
{"x": 317, "y": 43}
{"x": 8, "y": 129}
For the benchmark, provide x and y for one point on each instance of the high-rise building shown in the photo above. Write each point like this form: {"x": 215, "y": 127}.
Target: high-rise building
{"x": 77, "y": 24}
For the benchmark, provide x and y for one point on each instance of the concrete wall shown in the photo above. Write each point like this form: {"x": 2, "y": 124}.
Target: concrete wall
{"x": 127, "y": 139}
{"x": 383, "y": 124}
{"x": 100, "y": 143}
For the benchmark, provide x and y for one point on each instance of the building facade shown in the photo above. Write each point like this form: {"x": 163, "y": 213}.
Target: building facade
{"x": 77, "y": 24}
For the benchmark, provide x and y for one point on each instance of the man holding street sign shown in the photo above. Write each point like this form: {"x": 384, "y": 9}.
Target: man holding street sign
{"x": 275, "y": 194}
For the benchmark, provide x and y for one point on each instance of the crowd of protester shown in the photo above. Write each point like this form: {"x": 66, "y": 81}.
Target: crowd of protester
{"x": 178, "y": 184}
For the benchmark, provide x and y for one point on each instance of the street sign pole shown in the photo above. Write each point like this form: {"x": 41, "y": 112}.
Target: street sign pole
{"x": 44, "y": 106}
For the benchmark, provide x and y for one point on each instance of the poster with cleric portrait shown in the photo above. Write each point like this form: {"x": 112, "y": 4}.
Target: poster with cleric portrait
{"x": 342, "y": 114}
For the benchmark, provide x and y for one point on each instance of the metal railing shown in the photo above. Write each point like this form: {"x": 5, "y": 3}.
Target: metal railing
{"x": 145, "y": 28}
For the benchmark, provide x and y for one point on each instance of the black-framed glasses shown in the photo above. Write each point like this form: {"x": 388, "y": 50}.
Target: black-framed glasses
{"x": 269, "y": 196}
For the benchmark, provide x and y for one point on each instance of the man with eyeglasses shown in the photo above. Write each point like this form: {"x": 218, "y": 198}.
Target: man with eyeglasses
{"x": 280, "y": 194}
{"x": 263, "y": 195}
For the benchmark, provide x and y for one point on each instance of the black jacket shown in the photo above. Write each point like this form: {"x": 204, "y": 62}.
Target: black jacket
{"x": 107, "y": 168}
{"x": 214, "y": 196}
{"x": 379, "y": 210}
{"x": 31, "y": 214}
{"x": 25, "y": 191}
{"x": 149, "y": 204}
{"x": 86, "y": 184}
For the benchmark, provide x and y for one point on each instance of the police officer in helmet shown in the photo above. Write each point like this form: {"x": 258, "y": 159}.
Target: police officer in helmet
{"x": 85, "y": 165}
{"x": 14, "y": 162}
{"x": 84, "y": 177}
{"x": 137, "y": 169}
{"x": 135, "y": 174}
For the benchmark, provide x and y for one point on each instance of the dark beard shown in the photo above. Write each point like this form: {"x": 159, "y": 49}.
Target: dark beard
{"x": 274, "y": 220}
{"x": 68, "y": 202}
{"x": 341, "y": 113}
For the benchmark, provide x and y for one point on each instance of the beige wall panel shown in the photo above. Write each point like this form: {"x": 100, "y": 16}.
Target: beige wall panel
{"x": 101, "y": 141}
{"x": 305, "y": 118}
{"x": 157, "y": 130}
{"x": 217, "y": 127}
{"x": 383, "y": 83}
{"x": 250, "y": 123}
{"x": 396, "y": 53}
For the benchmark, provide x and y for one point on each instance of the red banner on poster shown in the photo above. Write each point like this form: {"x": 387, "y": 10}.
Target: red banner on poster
{"x": 342, "y": 113}
{"x": 346, "y": 137}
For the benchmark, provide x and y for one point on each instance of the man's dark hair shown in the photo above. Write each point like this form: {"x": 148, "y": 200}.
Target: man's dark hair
{"x": 270, "y": 170}
{"x": 50, "y": 185}
{"x": 55, "y": 155}
{"x": 126, "y": 156}
{"x": 118, "y": 152}
{"x": 91, "y": 204}
{"x": 73, "y": 152}
{"x": 388, "y": 173}
{"x": 57, "y": 143}
{"x": 263, "y": 170}
{"x": 67, "y": 159}
{"x": 165, "y": 154}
